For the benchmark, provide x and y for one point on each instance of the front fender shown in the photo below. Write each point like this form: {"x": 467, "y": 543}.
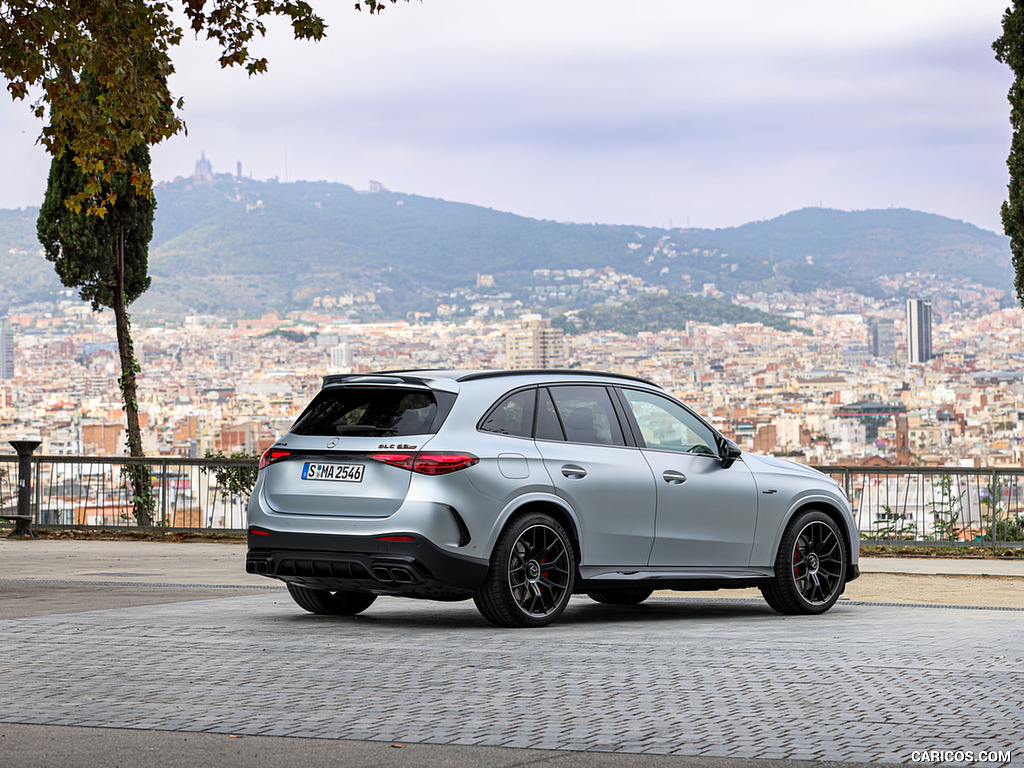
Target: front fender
{"x": 773, "y": 519}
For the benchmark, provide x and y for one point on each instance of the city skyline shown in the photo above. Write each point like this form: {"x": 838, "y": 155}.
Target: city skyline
{"x": 209, "y": 384}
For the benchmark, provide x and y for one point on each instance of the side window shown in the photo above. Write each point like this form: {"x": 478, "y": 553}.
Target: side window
{"x": 587, "y": 415}
{"x": 667, "y": 426}
{"x": 512, "y": 416}
{"x": 548, "y": 427}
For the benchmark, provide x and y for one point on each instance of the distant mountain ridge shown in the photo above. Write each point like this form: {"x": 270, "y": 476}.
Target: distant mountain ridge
{"x": 238, "y": 246}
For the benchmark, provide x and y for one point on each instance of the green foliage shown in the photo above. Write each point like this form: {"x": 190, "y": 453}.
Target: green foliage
{"x": 947, "y": 510}
{"x": 297, "y": 337}
{"x": 1009, "y": 49}
{"x": 122, "y": 49}
{"x": 245, "y": 246}
{"x": 235, "y": 479}
{"x": 106, "y": 259}
{"x": 70, "y": 51}
{"x": 92, "y": 253}
{"x": 854, "y": 247}
{"x": 1006, "y": 529}
{"x": 278, "y": 244}
{"x": 891, "y": 525}
{"x": 1002, "y": 525}
{"x": 655, "y": 312}
{"x": 137, "y": 485}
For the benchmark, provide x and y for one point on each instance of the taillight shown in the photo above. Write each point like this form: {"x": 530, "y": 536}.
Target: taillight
{"x": 272, "y": 455}
{"x": 401, "y": 460}
{"x": 442, "y": 463}
{"x": 427, "y": 463}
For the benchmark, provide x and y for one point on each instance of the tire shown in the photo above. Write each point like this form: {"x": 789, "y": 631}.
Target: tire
{"x": 810, "y": 568}
{"x": 328, "y": 603}
{"x": 633, "y": 596}
{"x": 533, "y": 569}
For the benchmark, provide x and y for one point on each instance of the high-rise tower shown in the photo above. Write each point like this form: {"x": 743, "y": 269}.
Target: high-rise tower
{"x": 919, "y": 331}
{"x": 534, "y": 345}
{"x": 6, "y": 351}
{"x": 882, "y": 338}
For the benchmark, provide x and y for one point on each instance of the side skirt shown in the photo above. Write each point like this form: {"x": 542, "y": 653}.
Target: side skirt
{"x": 687, "y": 578}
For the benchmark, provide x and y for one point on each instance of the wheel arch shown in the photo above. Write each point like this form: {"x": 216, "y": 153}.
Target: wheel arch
{"x": 545, "y": 505}
{"x": 829, "y": 509}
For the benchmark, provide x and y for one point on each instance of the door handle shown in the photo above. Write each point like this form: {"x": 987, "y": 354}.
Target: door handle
{"x": 674, "y": 477}
{"x": 573, "y": 472}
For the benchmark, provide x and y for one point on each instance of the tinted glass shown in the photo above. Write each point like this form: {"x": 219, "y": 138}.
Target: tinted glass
{"x": 512, "y": 416}
{"x": 348, "y": 411}
{"x": 548, "y": 427}
{"x": 668, "y": 426}
{"x": 587, "y": 415}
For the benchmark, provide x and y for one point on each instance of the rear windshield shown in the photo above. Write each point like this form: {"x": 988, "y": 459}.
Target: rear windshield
{"x": 371, "y": 411}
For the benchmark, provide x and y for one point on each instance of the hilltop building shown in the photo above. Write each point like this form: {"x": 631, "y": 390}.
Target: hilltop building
{"x": 919, "y": 331}
{"x": 204, "y": 170}
{"x": 535, "y": 344}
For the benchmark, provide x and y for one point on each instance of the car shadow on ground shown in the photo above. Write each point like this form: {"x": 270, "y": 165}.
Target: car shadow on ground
{"x": 409, "y": 614}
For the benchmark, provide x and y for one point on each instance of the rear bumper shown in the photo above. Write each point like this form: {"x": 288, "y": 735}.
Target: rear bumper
{"x": 416, "y": 568}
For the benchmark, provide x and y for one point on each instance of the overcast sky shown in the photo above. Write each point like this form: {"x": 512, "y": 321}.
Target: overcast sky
{"x": 655, "y": 112}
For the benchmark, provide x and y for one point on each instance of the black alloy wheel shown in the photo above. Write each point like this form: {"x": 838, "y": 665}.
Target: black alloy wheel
{"x": 531, "y": 576}
{"x": 810, "y": 568}
{"x": 331, "y": 603}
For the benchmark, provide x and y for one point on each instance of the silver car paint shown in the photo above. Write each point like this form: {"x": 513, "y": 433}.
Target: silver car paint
{"x": 795, "y": 487}
{"x": 486, "y": 497}
{"x": 611, "y": 488}
{"x": 709, "y": 517}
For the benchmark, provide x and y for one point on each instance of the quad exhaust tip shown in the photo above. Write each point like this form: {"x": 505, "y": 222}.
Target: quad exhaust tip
{"x": 393, "y": 575}
{"x": 261, "y": 567}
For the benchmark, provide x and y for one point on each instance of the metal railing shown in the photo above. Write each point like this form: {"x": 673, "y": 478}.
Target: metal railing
{"x": 97, "y": 492}
{"x": 946, "y": 506}
{"x": 943, "y": 506}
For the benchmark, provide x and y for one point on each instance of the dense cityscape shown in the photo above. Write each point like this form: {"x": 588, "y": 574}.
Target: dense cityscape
{"x": 850, "y": 387}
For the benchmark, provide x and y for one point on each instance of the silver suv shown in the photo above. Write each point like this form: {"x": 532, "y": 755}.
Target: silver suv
{"x": 520, "y": 488}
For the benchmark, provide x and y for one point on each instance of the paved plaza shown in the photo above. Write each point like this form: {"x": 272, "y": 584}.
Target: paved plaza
{"x": 676, "y": 676}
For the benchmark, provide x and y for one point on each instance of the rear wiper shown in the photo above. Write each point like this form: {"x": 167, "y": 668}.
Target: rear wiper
{"x": 363, "y": 429}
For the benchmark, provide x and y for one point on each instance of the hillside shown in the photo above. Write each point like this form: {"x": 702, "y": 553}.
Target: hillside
{"x": 238, "y": 246}
{"x": 656, "y": 312}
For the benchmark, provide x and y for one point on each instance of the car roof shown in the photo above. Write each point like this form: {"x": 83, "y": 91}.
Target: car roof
{"x": 437, "y": 377}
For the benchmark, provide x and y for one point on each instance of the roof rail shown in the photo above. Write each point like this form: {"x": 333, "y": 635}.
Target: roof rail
{"x": 473, "y": 375}
{"x": 418, "y": 375}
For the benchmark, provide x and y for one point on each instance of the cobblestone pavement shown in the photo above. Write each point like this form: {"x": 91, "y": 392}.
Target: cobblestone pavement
{"x": 709, "y": 677}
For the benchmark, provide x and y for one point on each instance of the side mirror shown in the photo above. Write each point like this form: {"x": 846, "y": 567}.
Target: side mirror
{"x": 729, "y": 453}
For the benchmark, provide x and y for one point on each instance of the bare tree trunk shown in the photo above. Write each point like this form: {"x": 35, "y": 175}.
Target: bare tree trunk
{"x": 138, "y": 474}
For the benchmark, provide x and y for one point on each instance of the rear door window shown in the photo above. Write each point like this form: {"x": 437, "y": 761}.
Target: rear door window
{"x": 548, "y": 427}
{"x": 369, "y": 412}
{"x": 587, "y": 415}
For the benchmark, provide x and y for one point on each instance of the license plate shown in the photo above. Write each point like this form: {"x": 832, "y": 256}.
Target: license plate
{"x": 345, "y": 473}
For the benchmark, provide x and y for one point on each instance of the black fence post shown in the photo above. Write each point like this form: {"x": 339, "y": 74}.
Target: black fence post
{"x": 23, "y": 521}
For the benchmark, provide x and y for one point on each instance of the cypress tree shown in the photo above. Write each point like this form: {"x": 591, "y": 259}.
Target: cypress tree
{"x": 1009, "y": 49}
{"x": 104, "y": 253}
